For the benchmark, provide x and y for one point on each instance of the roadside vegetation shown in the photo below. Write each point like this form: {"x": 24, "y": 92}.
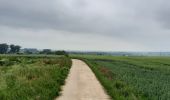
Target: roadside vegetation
{"x": 132, "y": 78}
{"x": 32, "y": 77}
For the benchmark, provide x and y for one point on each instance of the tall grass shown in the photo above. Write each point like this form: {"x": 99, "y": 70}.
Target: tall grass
{"x": 32, "y": 78}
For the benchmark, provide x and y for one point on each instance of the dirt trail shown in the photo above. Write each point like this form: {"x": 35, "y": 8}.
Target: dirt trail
{"x": 82, "y": 84}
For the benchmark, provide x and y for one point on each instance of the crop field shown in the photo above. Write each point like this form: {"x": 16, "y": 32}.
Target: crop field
{"x": 32, "y": 77}
{"x": 132, "y": 78}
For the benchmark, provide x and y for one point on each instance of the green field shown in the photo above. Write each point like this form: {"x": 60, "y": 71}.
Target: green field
{"x": 39, "y": 77}
{"x": 32, "y": 77}
{"x": 132, "y": 78}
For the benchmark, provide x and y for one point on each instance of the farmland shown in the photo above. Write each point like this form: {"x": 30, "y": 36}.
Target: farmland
{"x": 40, "y": 77}
{"x": 132, "y": 78}
{"x": 32, "y": 77}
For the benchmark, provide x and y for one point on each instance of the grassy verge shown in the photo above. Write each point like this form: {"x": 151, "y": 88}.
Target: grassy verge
{"x": 32, "y": 78}
{"x": 116, "y": 88}
{"x": 132, "y": 78}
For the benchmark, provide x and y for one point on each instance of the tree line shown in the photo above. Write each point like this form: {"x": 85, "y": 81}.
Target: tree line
{"x": 5, "y": 48}
{"x": 15, "y": 49}
{"x": 49, "y": 51}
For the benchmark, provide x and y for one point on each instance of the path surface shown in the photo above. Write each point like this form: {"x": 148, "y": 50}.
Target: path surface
{"x": 82, "y": 84}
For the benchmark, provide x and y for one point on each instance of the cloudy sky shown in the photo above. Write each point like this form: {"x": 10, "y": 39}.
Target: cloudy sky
{"x": 99, "y": 25}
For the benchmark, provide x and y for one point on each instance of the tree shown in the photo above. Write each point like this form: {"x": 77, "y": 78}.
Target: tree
{"x": 3, "y": 48}
{"x": 46, "y": 51}
{"x": 61, "y": 53}
{"x": 17, "y": 48}
{"x": 14, "y": 48}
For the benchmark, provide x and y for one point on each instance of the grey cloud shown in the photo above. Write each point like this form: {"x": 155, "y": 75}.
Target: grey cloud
{"x": 71, "y": 15}
{"x": 145, "y": 22}
{"x": 164, "y": 16}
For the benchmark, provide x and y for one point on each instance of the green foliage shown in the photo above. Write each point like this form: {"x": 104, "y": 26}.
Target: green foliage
{"x": 32, "y": 78}
{"x": 6, "y": 62}
{"x": 48, "y": 51}
{"x": 132, "y": 78}
{"x": 14, "y": 48}
{"x": 116, "y": 88}
{"x": 61, "y": 53}
{"x": 3, "y": 48}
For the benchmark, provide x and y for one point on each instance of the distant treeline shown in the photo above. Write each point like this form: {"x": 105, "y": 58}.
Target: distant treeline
{"x": 49, "y": 51}
{"x": 16, "y": 49}
{"x": 5, "y": 48}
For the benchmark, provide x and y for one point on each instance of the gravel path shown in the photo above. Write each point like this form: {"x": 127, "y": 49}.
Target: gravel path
{"x": 82, "y": 84}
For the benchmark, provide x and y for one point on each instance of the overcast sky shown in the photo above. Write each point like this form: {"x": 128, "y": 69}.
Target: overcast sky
{"x": 98, "y": 25}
